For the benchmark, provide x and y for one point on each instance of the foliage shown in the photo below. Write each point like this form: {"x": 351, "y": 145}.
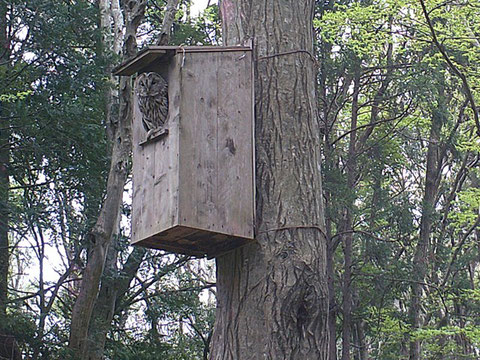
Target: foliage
{"x": 404, "y": 85}
{"x": 53, "y": 102}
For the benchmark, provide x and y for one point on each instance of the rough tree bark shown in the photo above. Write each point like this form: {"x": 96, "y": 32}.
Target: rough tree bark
{"x": 104, "y": 229}
{"x": 272, "y": 297}
{"x": 4, "y": 215}
{"x": 112, "y": 23}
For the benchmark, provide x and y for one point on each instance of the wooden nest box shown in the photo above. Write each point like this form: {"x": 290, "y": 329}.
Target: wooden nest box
{"x": 193, "y": 148}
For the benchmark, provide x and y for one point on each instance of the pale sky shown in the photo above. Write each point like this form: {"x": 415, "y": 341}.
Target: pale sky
{"x": 200, "y": 5}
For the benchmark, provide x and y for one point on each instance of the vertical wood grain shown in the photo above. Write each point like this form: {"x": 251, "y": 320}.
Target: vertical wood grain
{"x": 198, "y": 180}
{"x": 235, "y": 150}
{"x": 198, "y": 138}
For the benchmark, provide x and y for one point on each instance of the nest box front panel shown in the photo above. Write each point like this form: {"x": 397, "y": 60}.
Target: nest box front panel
{"x": 155, "y": 168}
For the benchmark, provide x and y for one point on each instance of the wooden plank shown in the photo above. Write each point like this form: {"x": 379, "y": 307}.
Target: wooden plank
{"x": 165, "y": 196}
{"x": 152, "y": 54}
{"x": 200, "y": 243}
{"x": 143, "y": 59}
{"x": 173, "y": 247}
{"x": 160, "y": 198}
{"x": 180, "y": 49}
{"x": 176, "y": 234}
{"x": 155, "y": 163}
{"x": 198, "y": 141}
{"x": 235, "y": 145}
{"x": 147, "y": 191}
{"x": 144, "y": 219}
{"x": 204, "y": 49}
{"x": 157, "y": 135}
{"x": 138, "y": 170}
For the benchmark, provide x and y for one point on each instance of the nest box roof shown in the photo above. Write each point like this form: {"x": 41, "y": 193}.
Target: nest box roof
{"x": 161, "y": 53}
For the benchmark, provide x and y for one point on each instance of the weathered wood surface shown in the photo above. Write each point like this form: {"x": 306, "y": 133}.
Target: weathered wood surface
{"x": 193, "y": 189}
{"x": 235, "y": 147}
{"x": 147, "y": 58}
{"x": 194, "y": 242}
{"x": 155, "y": 171}
{"x": 136, "y": 64}
{"x": 217, "y": 143}
{"x": 198, "y": 183}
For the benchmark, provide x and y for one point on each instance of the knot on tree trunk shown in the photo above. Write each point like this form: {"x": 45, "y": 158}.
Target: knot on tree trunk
{"x": 303, "y": 310}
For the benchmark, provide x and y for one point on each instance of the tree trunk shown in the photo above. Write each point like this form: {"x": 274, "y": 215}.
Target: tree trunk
{"x": 326, "y": 124}
{"x": 361, "y": 343}
{"x": 4, "y": 177}
{"x": 347, "y": 226}
{"x": 420, "y": 260}
{"x": 115, "y": 282}
{"x": 100, "y": 238}
{"x": 4, "y": 216}
{"x": 272, "y": 297}
{"x": 114, "y": 287}
{"x": 167, "y": 23}
{"x": 332, "y": 305}
{"x": 104, "y": 229}
{"x": 332, "y": 244}
{"x": 104, "y": 308}
{"x": 40, "y": 244}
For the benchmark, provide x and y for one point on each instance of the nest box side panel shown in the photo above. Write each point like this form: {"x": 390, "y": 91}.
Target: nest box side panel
{"x": 198, "y": 140}
{"x": 216, "y": 143}
{"x": 155, "y": 170}
{"x": 235, "y": 152}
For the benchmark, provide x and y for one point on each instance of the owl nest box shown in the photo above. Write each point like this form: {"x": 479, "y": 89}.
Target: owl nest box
{"x": 193, "y": 148}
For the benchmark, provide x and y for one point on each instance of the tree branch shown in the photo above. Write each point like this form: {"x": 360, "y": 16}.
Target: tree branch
{"x": 453, "y": 67}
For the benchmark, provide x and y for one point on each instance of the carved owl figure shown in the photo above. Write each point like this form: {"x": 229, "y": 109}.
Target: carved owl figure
{"x": 152, "y": 93}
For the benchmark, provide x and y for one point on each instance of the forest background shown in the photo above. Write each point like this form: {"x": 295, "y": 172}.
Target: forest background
{"x": 398, "y": 87}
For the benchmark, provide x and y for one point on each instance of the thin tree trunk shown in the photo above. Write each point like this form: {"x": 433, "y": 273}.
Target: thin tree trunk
{"x": 111, "y": 19}
{"x": 40, "y": 242}
{"x": 104, "y": 308}
{"x": 100, "y": 238}
{"x": 362, "y": 346}
{"x": 272, "y": 296}
{"x": 114, "y": 287}
{"x": 4, "y": 177}
{"x": 169, "y": 16}
{"x": 326, "y": 124}
{"x": 114, "y": 283}
{"x": 420, "y": 260}
{"x": 347, "y": 227}
{"x": 332, "y": 305}
{"x": 4, "y": 216}
{"x": 107, "y": 223}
